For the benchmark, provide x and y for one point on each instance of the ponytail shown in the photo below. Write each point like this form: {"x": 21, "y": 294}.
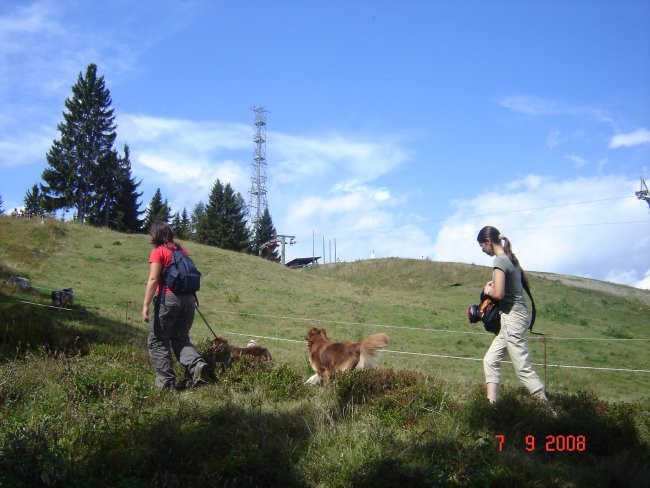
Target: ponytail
{"x": 494, "y": 235}
{"x": 507, "y": 248}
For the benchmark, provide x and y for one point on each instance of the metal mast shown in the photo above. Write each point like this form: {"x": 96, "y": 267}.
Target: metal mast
{"x": 643, "y": 194}
{"x": 257, "y": 202}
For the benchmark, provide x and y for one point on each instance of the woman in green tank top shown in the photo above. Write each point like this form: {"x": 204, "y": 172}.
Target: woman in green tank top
{"x": 506, "y": 288}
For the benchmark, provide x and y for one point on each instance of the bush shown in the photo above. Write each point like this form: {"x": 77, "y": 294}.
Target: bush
{"x": 397, "y": 398}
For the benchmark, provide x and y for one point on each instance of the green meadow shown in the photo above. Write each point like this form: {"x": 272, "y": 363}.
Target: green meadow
{"x": 78, "y": 406}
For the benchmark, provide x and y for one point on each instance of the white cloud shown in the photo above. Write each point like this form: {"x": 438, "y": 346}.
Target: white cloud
{"x": 530, "y": 105}
{"x": 639, "y": 136}
{"x": 360, "y": 160}
{"x": 598, "y": 237}
{"x": 25, "y": 148}
{"x": 537, "y": 106}
{"x": 644, "y": 284}
{"x": 577, "y": 161}
{"x": 185, "y": 158}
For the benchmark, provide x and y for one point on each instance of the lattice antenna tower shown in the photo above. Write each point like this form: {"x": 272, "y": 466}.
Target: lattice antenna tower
{"x": 257, "y": 202}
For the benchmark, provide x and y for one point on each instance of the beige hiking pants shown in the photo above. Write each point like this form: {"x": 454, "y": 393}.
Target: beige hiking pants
{"x": 512, "y": 338}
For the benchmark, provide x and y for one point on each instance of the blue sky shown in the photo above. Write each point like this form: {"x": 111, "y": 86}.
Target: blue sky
{"x": 395, "y": 127}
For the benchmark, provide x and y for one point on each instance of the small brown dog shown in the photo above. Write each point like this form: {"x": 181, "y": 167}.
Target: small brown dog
{"x": 328, "y": 357}
{"x": 221, "y": 344}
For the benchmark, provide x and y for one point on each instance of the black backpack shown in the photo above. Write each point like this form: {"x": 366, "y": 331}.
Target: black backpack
{"x": 181, "y": 276}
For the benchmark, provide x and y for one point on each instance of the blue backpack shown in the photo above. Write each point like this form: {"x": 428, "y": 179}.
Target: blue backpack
{"x": 181, "y": 276}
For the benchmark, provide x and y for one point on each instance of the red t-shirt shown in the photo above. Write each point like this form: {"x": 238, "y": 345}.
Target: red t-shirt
{"x": 163, "y": 256}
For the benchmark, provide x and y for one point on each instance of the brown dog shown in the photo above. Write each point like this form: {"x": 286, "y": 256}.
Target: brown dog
{"x": 221, "y": 344}
{"x": 328, "y": 357}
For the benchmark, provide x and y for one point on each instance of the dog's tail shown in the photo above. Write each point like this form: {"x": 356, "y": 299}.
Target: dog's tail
{"x": 371, "y": 348}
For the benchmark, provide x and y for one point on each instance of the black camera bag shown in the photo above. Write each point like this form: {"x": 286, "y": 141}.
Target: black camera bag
{"x": 488, "y": 310}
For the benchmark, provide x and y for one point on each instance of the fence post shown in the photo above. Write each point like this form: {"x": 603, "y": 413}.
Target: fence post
{"x": 545, "y": 364}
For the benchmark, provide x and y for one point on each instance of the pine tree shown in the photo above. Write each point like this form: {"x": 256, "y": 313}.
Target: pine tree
{"x": 75, "y": 179}
{"x": 237, "y": 236}
{"x": 176, "y": 225}
{"x": 196, "y": 221}
{"x": 264, "y": 233}
{"x": 125, "y": 212}
{"x": 157, "y": 211}
{"x": 181, "y": 226}
{"x": 105, "y": 180}
{"x": 210, "y": 226}
{"x": 33, "y": 202}
{"x": 185, "y": 227}
{"x": 224, "y": 222}
{"x": 2, "y": 210}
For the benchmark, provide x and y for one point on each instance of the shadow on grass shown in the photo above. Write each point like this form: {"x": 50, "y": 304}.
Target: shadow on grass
{"x": 225, "y": 446}
{"x": 26, "y": 327}
{"x": 591, "y": 442}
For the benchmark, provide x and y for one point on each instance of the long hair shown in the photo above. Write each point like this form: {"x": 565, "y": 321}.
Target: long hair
{"x": 161, "y": 233}
{"x": 492, "y": 233}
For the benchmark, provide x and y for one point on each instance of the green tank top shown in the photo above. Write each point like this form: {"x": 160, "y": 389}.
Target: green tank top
{"x": 514, "y": 296}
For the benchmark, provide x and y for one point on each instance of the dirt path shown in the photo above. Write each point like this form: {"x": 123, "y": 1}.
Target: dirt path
{"x": 606, "y": 286}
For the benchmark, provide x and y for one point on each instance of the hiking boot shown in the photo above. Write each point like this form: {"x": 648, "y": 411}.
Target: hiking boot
{"x": 200, "y": 375}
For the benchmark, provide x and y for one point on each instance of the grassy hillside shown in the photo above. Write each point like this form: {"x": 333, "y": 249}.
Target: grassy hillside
{"x": 420, "y": 304}
{"x": 76, "y": 385}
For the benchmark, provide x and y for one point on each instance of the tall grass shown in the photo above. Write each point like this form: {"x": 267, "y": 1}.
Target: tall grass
{"x": 78, "y": 406}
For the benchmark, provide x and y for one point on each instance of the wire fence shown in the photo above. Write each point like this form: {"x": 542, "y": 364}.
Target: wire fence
{"x": 129, "y": 312}
{"x": 542, "y": 337}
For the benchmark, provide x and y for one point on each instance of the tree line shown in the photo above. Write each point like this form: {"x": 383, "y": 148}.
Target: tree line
{"x": 88, "y": 175}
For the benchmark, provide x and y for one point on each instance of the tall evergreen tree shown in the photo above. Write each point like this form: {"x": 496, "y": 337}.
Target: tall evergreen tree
{"x": 210, "y": 226}
{"x": 2, "y": 210}
{"x": 181, "y": 226}
{"x": 74, "y": 179}
{"x": 224, "y": 222}
{"x": 176, "y": 225}
{"x": 125, "y": 212}
{"x": 156, "y": 211}
{"x": 105, "y": 180}
{"x": 196, "y": 220}
{"x": 237, "y": 237}
{"x": 33, "y": 202}
{"x": 184, "y": 227}
{"x": 265, "y": 232}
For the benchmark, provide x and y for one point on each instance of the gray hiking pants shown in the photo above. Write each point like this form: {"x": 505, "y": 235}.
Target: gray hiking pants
{"x": 171, "y": 331}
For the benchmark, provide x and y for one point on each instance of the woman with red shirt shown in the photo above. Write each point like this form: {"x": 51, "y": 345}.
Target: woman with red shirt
{"x": 173, "y": 317}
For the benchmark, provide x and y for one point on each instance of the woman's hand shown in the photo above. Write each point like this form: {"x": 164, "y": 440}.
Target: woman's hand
{"x": 155, "y": 270}
{"x": 488, "y": 289}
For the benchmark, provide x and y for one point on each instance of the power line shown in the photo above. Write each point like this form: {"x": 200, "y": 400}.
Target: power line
{"x": 501, "y": 212}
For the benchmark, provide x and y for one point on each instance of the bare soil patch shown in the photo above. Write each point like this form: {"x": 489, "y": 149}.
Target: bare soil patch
{"x": 604, "y": 286}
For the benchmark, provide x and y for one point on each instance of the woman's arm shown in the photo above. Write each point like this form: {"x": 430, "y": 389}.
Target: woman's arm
{"x": 155, "y": 270}
{"x": 496, "y": 289}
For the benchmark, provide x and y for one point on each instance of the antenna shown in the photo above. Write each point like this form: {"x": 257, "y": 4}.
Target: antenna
{"x": 643, "y": 194}
{"x": 257, "y": 201}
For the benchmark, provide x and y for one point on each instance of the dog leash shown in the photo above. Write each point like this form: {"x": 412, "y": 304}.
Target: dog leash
{"x": 206, "y": 322}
